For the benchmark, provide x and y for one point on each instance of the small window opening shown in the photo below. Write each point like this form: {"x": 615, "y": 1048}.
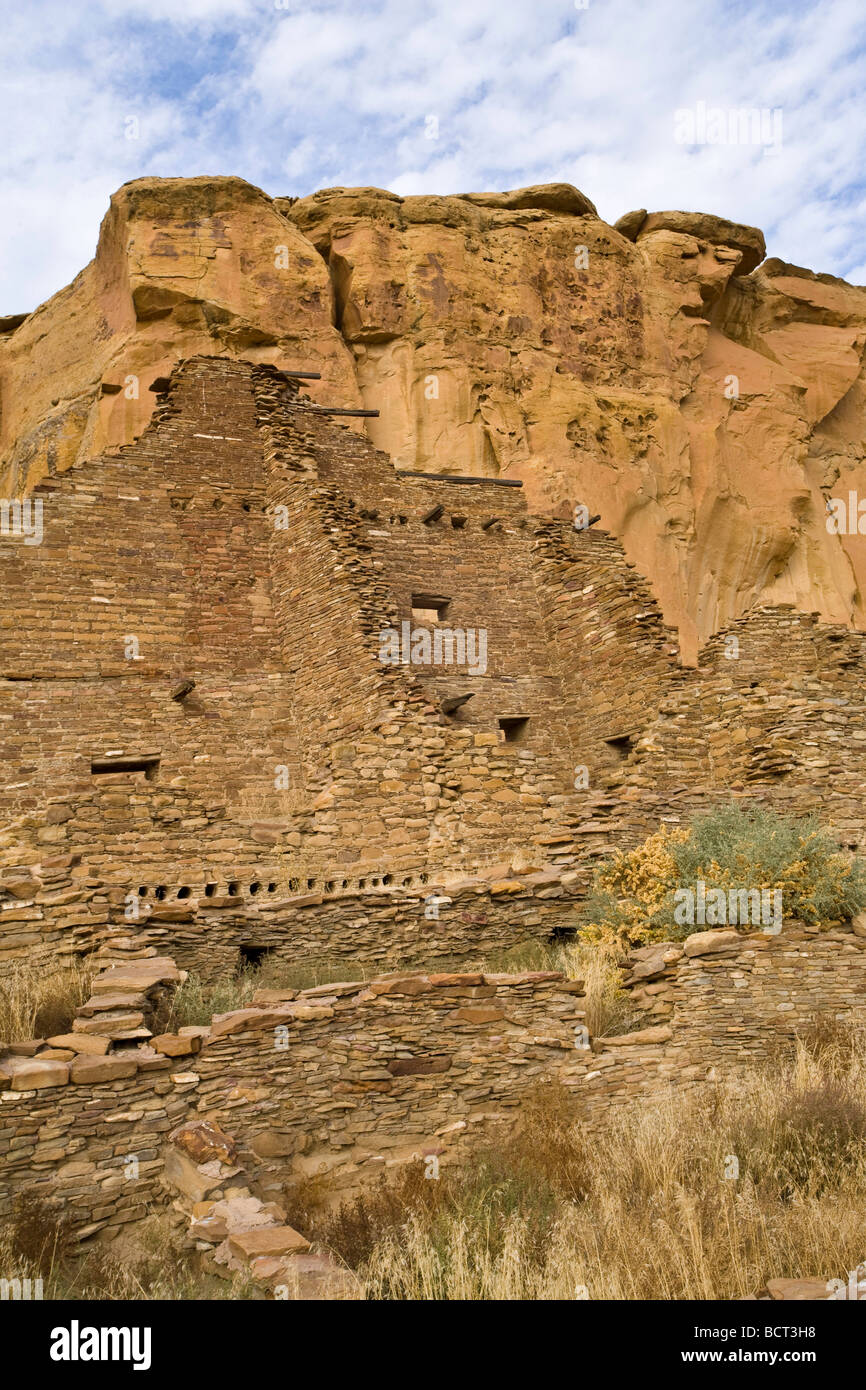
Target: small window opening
{"x": 311, "y": 883}
{"x": 160, "y": 892}
{"x": 255, "y": 888}
{"x": 209, "y": 890}
{"x": 142, "y": 892}
{"x": 233, "y": 890}
{"x": 388, "y": 878}
{"x": 252, "y": 957}
{"x": 429, "y": 608}
{"x": 272, "y": 888}
{"x": 148, "y": 765}
{"x": 458, "y": 522}
{"x": 514, "y": 728}
{"x": 622, "y": 745}
{"x": 183, "y": 892}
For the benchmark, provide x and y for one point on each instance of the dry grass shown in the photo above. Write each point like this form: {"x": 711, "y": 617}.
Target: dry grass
{"x": 609, "y": 1008}
{"x": 37, "y": 1241}
{"x": 39, "y": 999}
{"x": 196, "y": 1001}
{"x": 640, "y": 1209}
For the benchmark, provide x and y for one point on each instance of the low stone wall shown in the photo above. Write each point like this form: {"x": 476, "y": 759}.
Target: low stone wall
{"x": 345, "y": 1079}
{"x": 723, "y": 1000}
{"x": 54, "y": 905}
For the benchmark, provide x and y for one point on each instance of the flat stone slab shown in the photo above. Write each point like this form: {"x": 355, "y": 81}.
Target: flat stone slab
{"x": 33, "y": 1074}
{"x": 267, "y": 1240}
{"x": 137, "y": 977}
{"x": 93, "y": 1044}
{"x": 798, "y": 1290}
{"x": 113, "y": 1067}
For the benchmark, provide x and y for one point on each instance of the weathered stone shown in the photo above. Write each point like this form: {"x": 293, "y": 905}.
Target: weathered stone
{"x": 33, "y": 1074}
{"x": 705, "y": 943}
{"x": 109, "y": 1068}
{"x": 202, "y": 1141}
{"x": 267, "y": 1240}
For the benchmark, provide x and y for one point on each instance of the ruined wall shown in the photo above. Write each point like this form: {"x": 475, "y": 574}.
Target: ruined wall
{"x": 344, "y": 1079}
{"x": 371, "y": 1071}
{"x": 222, "y": 548}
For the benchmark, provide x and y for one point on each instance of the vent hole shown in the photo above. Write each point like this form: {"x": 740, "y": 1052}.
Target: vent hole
{"x": 514, "y": 728}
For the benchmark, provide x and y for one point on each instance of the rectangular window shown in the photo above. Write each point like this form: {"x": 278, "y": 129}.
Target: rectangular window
{"x": 429, "y": 608}
{"x": 514, "y": 728}
{"x": 121, "y": 763}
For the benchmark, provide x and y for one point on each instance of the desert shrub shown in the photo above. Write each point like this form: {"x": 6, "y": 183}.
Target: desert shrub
{"x": 39, "y": 998}
{"x": 633, "y": 898}
{"x": 811, "y": 1137}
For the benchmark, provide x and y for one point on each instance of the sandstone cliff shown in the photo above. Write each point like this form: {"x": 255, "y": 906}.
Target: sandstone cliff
{"x": 706, "y": 401}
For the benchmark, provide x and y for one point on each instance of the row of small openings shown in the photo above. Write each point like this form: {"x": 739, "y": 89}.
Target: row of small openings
{"x": 333, "y": 885}
{"x": 161, "y": 892}
{"x": 295, "y": 885}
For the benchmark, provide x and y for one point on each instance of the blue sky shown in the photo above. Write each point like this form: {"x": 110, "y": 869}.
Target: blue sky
{"x": 435, "y": 96}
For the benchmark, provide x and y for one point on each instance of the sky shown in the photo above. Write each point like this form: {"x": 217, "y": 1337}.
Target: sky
{"x": 629, "y": 100}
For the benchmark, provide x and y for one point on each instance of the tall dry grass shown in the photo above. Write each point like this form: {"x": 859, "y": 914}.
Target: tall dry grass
{"x": 37, "y": 1241}
{"x": 39, "y": 998}
{"x": 641, "y": 1208}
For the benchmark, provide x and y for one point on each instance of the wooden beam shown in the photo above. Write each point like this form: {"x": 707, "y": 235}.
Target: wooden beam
{"x": 453, "y": 703}
{"x": 457, "y": 478}
{"x": 334, "y": 410}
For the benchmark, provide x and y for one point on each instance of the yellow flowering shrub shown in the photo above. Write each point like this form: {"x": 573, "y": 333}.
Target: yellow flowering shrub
{"x": 731, "y": 848}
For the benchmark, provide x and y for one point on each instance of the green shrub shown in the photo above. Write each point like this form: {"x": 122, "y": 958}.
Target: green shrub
{"x": 633, "y": 899}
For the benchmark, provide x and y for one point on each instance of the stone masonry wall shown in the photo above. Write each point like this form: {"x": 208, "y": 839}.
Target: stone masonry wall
{"x": 345, "y": 1079}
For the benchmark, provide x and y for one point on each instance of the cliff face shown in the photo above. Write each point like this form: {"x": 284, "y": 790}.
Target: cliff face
{"x": 704, "y": 400}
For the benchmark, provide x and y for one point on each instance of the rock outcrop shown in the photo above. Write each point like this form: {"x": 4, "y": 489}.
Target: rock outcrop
{"x": 705, "y": 401}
